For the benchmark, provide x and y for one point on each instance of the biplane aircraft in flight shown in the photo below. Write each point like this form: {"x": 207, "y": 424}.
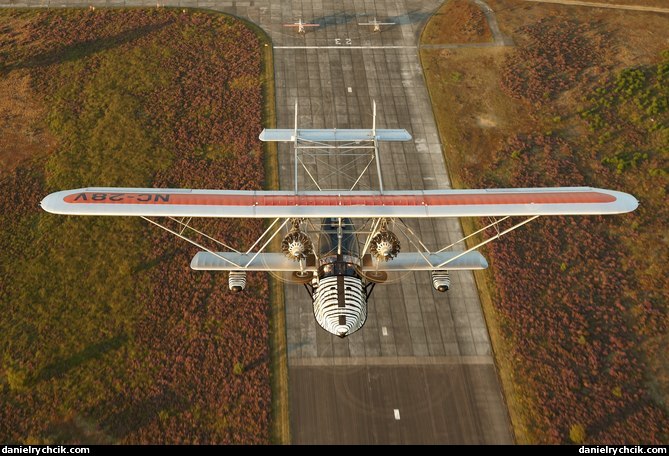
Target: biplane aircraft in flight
{"x": 339, "y": 243}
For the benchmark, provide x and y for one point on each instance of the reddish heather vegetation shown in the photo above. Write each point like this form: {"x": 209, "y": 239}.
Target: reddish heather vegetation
{"x": 563, "y": 293}
{"x": 551, "y": 60}
{"x": 576, "y": 306}
{"x": 108, "y": 336}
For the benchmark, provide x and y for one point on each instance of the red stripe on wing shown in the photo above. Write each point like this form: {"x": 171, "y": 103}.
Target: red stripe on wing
{"x": 462, "y": 199}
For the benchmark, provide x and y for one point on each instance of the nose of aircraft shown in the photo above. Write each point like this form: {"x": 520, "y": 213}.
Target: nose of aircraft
{"x": 342, "y": 331}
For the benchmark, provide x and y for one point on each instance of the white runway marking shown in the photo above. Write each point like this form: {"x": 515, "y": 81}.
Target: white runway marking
{"x": 350, "y": 90}
{"x": 397, "y": 414}
{"x": 384, "y": 330}
{"x": 345, "y": 47}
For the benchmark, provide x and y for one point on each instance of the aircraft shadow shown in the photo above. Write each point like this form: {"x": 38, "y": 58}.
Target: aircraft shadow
{"x": 334, "y": 19}
{"x": 63, "y": 366}
{"x": 141, "y": 413}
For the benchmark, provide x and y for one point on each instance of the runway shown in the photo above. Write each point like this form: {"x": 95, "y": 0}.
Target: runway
{"x": 421, "y": 369}
{"x": 423, "y": 404}
{"x": 349, "y": 391}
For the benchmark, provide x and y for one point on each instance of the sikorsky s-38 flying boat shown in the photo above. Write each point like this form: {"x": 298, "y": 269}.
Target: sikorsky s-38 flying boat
{"x": 339, "y": 243}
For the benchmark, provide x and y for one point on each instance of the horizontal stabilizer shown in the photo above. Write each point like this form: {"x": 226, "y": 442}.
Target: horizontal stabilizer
{"x": 413, "y": 261}
{"x": 230, "y": 261}
{"x": 334, "y": 135}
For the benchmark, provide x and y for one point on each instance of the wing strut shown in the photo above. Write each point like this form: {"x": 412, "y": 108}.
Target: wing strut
{"x": 262, "y": 236}
{"x": 375, "y": 227}
{"x": 267, "y": 241}
{"x": 420, "y": 252}
{"x": 196, "y": 244}
{"x": 482, "y": 243}
{"x": 376, "y": 148}
{"x": 495, "y": 224}
{"x": 238, "y": 265}
{"x": 295, "y": 147}
{"x": 187, "y": 226}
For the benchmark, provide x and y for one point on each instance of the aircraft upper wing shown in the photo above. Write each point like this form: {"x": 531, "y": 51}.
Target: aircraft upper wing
{"x": 344, "y": 135}
{"x": 154, "y": 202}
{"x": 410, "y": 261}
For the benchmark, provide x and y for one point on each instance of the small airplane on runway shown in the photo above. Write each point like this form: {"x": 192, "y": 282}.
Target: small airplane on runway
{"x": 338, "y": 243}
{"x": 301, "y": 26}
{"x": 376, "y": 24}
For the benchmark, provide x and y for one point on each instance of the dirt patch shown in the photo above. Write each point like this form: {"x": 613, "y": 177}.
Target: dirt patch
{"x": 458, "y": 21}
{"x": 486, "y": 121}
{"x": 23, "y": 132}
{"x": 477, "y": 115}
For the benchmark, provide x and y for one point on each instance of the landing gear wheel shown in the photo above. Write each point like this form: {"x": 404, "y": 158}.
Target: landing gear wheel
{"x": 301, "y": 276}
{"x": 374, "y": 276}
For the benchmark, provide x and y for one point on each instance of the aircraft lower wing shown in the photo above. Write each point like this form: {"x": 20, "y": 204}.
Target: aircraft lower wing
{"x": 278, "y": 262}
{"x": 230, "y": 261}
{"x": 154, "y": 202}
{"x": 414, "y": 261}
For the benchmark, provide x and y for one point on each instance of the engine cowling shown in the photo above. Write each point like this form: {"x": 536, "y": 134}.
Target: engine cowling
{"x": 296, "y": 245}
{"x": 237, "y": 281}
{"x": 384, "y": 246}
{"x": 441, "y": 280}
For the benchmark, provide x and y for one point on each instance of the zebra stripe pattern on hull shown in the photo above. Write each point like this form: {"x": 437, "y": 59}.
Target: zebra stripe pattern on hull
{"x": 340, "y": 304}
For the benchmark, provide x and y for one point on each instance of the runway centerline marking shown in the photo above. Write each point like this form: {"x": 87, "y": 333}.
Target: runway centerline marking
{"x": 396, "y": 412}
